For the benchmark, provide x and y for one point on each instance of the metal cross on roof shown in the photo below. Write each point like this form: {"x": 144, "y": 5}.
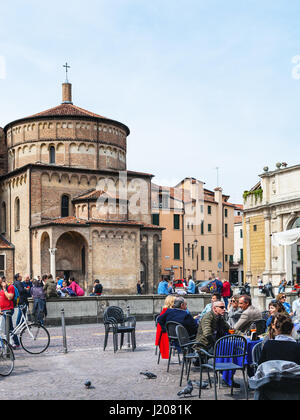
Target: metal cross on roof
{"x": 67, "y": 67}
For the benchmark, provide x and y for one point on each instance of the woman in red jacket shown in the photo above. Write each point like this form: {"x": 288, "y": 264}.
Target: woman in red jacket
{"x": 161, "y": 339}
{"x": 226, "y": 292}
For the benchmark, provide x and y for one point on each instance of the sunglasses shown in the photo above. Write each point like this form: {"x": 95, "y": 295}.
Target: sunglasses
{"x": 221, "y": 307}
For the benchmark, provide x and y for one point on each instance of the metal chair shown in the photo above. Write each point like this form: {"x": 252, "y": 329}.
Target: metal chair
{"x": 265, "y": 315}
{"x": 256, "y": 353}
{"x": 228, "y": 347}
{"x": 260, "y": 325}
{"x": 188, "y": 353}
{"x": 114, "y": 321}
{"x": 173, "y": 340}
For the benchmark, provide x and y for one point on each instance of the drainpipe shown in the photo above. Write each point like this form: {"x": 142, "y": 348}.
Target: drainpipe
{"x": 30, "y": 233}
{"x": 183, "y": 244}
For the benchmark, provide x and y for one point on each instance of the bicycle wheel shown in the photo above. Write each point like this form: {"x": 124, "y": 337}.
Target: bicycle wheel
{"x": 7, "y": 358}
{"x": 34, "y": 338}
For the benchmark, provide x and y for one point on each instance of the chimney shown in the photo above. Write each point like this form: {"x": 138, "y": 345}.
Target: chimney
{"x": 67, "y": 93}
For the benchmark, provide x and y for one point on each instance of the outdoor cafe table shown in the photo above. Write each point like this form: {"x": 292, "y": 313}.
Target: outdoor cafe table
{"x": 227, "y": 375}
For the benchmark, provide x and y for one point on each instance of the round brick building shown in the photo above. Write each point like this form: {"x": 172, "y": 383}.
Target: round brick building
{"x": 67, "y": 135}
{"x": 68, "y": 204}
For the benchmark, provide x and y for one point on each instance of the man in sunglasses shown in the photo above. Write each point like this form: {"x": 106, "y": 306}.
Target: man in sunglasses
{"x": 212, "y": 327}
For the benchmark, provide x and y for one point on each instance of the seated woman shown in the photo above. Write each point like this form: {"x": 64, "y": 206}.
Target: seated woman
{"x": 283, "y": 346}
{"x": 161, "y": 339}
{"x": 281, "y": 297}
{"x": 275, "y": 306}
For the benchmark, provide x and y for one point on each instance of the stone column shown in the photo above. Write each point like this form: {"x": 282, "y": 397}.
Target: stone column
{"x": 52, "y": 262}
{"x": 281, "y": 250}
{"x": 248, "y": 272}
{"x": 268, "y": 262}
{"x": 150, "y": 265}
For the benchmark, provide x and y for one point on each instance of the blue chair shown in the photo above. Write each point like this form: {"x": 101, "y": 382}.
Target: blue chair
{"x": 224, "y": 358}
{"x": 256, "y": 353}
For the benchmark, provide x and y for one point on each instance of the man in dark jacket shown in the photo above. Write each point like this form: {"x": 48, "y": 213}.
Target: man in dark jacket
{"x": 179, "y": 314}
{"x": 212, "y": 327}
{"x": 24, "y": 294}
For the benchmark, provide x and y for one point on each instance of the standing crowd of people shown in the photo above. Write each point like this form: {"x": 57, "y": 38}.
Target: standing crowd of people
{"x": 14, "y": 296}
{"x": 223, "y": 287}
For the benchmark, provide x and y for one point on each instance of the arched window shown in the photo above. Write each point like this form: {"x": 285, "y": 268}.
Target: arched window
{"x": 3, "y": 218}
{"x": 17, "y": 214}
{"x": 65, "y": 206}
{"x": 52, "y": 154}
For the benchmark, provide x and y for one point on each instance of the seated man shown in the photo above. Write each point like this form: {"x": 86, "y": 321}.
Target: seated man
{"x": 191, "y": 288}
{"x": 163, "y": 287}
{"x": 214, "y": 298}
{"x": 212, "y": 327}
{"x": 179, "y": 314}
{"x": 248, "y": 316}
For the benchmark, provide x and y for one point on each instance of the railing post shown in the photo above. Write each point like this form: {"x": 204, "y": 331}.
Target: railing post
{"x": 128, "y": 324}
{"x": 63, "y": 324}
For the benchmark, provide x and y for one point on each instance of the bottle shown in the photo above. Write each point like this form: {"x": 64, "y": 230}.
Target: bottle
{"x": 253, "y": 332}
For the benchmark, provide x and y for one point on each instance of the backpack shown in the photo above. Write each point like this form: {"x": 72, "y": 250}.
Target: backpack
{"x": 212, "y": 286}
{"x": 16, "y": 296}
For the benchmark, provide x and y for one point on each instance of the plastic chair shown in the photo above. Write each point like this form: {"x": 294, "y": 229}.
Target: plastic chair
{"x": 188, "y": 354}
{"x": 173, "y": 340}
{"x": 228, "y": 347}
{"x": 256, "y": 353}
{"x": 114, "y": 321}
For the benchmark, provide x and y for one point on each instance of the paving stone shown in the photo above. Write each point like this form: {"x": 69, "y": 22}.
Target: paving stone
{"x": 56, "y": 375}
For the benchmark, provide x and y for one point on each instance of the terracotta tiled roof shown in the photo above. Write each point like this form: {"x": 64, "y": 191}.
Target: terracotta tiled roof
{"x": 66, "y": 110}
{"x": 72, "y": 220}
{"x": 238, "y": 219}
{"x": 67, "y": 220}
{"x": 4, "y": 244}
{"x": 94, "y": 195}
{"x": 239, "y": 206}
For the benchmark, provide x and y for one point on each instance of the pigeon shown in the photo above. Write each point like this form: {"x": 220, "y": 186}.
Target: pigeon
{"x": 187, "y": 390}
{"x": 87, "y": 384}
{"x": 204, "y": 384}
{"x": 149, "y": 375}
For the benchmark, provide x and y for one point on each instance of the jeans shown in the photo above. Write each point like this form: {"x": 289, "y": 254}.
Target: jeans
{"x": 39, "y": 310}
{"x": 225, "y": 301}
{"x": 9, "y": 314}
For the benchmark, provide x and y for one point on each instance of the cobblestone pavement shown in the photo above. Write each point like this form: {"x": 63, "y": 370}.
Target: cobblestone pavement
{"x": 60, "y": 376}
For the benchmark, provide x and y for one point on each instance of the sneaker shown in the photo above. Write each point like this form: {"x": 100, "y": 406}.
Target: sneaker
{"x": 16, "y": 347}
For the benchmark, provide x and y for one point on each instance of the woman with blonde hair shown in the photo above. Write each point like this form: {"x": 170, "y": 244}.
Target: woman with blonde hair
{"x": 162, "y": 339}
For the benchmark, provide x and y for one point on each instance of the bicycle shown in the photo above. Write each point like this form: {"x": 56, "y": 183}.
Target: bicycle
{"x": 7, "y": 358}
{"x": 34, "y": 337}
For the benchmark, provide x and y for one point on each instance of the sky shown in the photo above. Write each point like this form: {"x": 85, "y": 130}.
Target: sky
{"x": 201, "y": 84}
